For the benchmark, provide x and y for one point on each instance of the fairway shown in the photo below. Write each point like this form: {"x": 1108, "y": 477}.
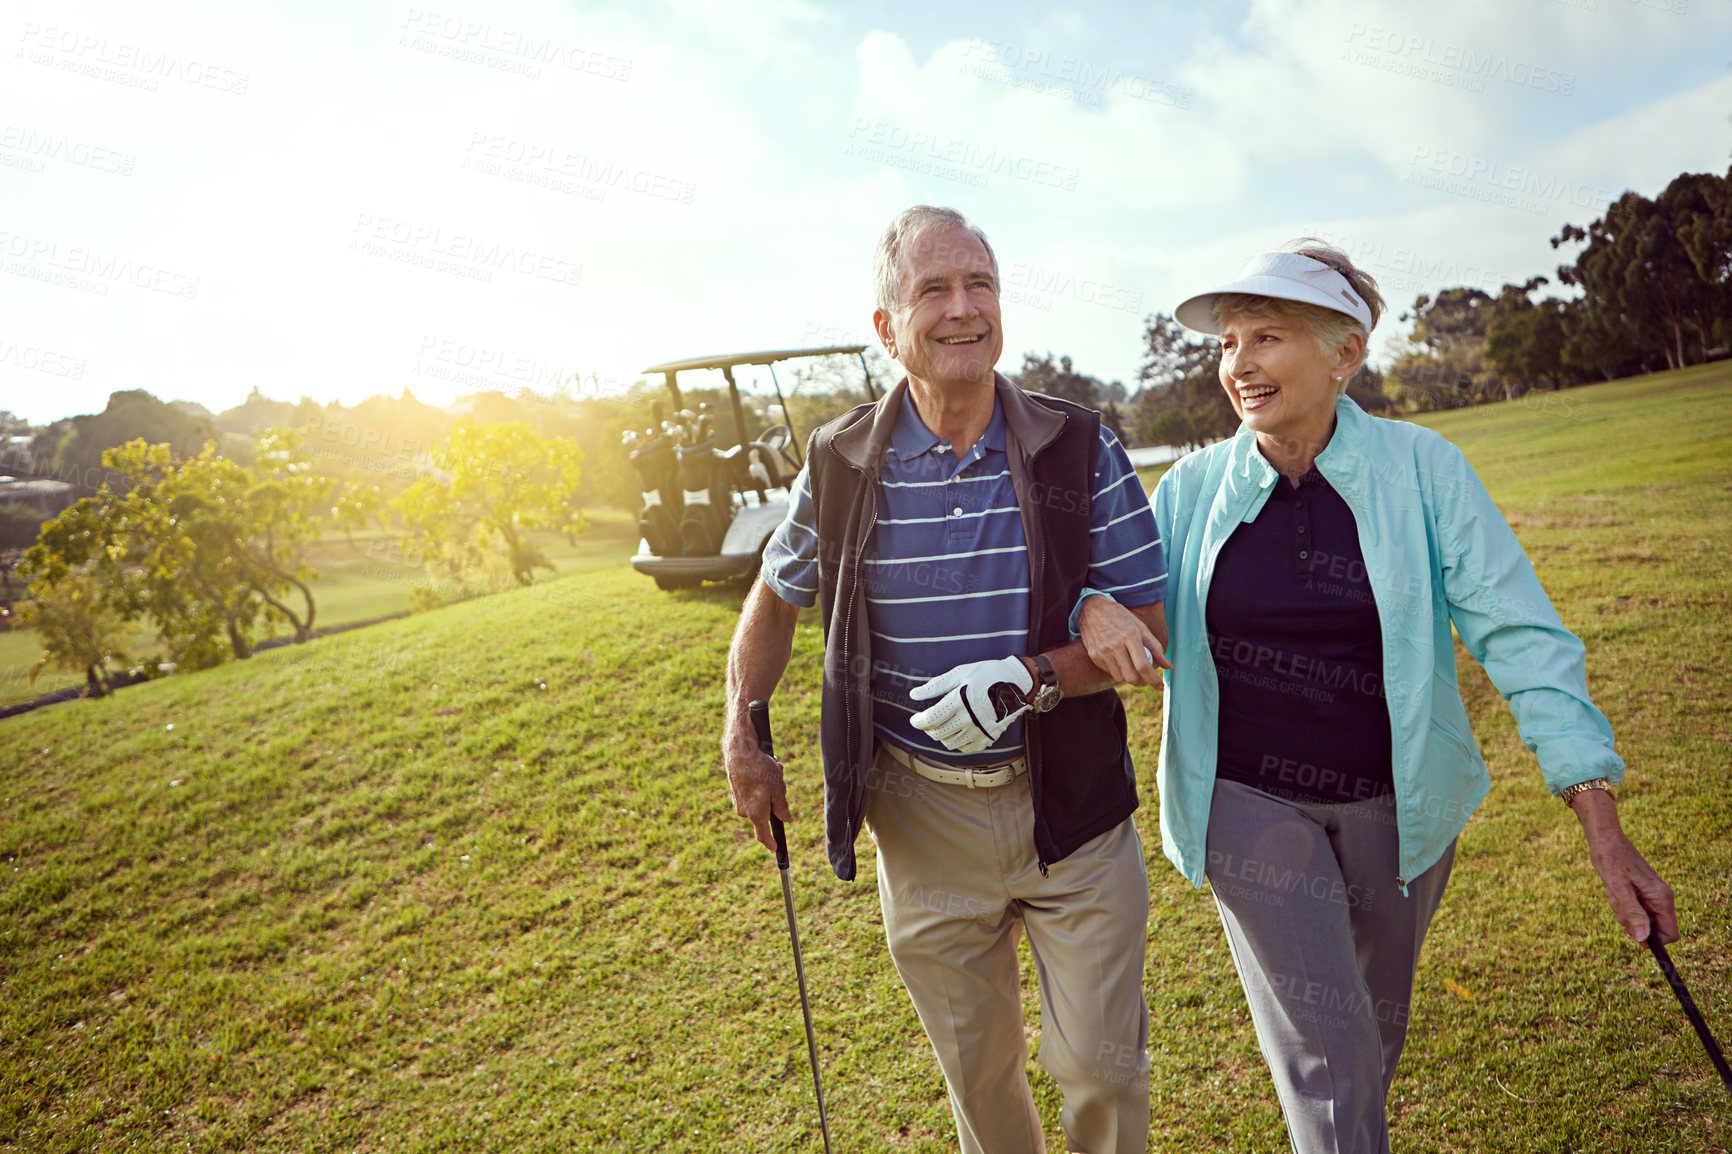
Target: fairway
{"x": 470, "y": 880}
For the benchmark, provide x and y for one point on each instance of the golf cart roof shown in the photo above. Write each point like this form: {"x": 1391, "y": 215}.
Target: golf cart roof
{"x": 729, "y": 360}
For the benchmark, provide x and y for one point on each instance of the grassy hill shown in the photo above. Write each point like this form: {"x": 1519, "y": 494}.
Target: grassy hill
{"x": 471, "y": 880}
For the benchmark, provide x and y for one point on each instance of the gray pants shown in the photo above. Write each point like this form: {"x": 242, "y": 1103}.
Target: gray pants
{"x": 959, "y": 882}
{"x": 1326, "y": 947}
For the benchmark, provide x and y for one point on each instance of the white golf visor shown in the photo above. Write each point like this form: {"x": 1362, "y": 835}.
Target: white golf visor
{"x": 1286, "y": 276}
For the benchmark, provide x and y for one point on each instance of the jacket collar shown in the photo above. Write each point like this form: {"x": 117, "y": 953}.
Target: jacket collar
{"x": 1032, "y": 426}
{"x": 1339, "y": 462}
{"x": 1342, "y": 461}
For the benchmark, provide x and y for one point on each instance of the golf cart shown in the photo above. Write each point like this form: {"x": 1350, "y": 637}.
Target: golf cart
{"x": 708, "y": 512}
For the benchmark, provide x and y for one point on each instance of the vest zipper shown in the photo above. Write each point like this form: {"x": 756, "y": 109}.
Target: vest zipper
{"x": 1036, "y": 574}
{"x": 855, "y": 806}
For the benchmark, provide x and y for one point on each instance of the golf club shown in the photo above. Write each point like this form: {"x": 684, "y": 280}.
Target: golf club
{"x": 759, "y": 712}
{"x": 1690, "y": 1010}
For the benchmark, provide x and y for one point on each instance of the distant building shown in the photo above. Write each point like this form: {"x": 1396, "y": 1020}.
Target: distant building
{"x": 15, "y": 453}
{"x": 46, "y": 497}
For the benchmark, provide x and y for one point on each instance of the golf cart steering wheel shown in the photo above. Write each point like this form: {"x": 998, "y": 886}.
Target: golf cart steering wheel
{"x": 779, "y": 440}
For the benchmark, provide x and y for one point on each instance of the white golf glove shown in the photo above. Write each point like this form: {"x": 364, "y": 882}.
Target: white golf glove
{"x": 975, "y": 704}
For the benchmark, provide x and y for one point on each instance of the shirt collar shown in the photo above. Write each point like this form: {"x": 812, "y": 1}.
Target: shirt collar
{"x": 910, "y": 437}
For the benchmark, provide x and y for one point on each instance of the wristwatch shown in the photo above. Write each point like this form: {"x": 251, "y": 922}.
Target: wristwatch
{"x": 1046, "y": 694}
{"x": 1568, "y": 794}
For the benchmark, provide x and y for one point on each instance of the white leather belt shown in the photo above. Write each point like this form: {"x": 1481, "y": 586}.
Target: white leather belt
{"x": 976, "y": 777}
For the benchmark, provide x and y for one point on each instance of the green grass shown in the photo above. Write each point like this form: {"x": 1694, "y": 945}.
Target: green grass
{"x": 405, "y": 899}
{"x": 361, "y": 578}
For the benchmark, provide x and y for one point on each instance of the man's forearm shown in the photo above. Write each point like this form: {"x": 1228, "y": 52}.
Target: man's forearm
{"x": 758, "y": 657}
{"x": 1077, "y": 675}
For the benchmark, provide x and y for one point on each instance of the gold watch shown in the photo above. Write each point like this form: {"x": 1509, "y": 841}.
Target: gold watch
{"x": 1568, "y": 795}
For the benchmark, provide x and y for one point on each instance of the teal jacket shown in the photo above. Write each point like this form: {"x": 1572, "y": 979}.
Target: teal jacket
{"x": 1437, "y": 551}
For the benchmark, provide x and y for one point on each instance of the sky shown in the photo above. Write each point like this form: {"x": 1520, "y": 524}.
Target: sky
{"x": 341, "y": 199}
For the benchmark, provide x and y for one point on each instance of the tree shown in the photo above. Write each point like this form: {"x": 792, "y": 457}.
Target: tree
{"x": 1041, "y": 375}
{"x": 80, "y": 629}
{"x": 1524, "y": 341}
{"x": 498, "y": 481}
{"x": 258, "y": 413}
{"x": 1169, "y": 427}
{"x": 1111, "y": 419}
{"x": 75, "y": 455}
{"x": 1171, "y": 352}
{"x": 1445, "y": 366}
{"x": 146, "y": 537}
{"x": 1366, "y": 389}
{"x": 1706, "y": 234}
{"x": 282, "y": 507}
{"x": 1655, "y": 272}
{"x": 19, "y": 525}
{"x": 203, "y": 546}
{"x": 1181, "y": 375}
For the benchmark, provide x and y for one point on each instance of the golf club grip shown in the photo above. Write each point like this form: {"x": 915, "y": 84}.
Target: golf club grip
{"x": 759, "y": 712}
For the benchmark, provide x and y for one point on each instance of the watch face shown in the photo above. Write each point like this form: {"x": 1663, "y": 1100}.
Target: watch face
{"x": 1047, "y": 698}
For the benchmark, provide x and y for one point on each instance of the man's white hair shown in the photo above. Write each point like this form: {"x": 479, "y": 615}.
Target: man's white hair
{"x": 903, "y": 231}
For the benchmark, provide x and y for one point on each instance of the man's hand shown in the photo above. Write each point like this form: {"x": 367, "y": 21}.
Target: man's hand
{"x": 1120, "y": 643}
{"x": 969, "y": 716}
{"x": 754, "y": 782}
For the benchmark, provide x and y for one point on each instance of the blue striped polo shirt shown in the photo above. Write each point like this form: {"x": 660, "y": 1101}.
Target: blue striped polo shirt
{"x": 946, "y": 573}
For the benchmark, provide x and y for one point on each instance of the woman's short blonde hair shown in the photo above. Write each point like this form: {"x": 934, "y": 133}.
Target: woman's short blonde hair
{"x": 1330, "y": 326}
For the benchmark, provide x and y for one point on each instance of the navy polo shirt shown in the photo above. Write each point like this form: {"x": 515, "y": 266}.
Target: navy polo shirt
{"x": 1298, "y": 651}
{"x": 946, "y": 574}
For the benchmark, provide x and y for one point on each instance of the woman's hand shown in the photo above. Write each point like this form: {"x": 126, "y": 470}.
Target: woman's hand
{"x": 1640, "y": 901}
{"x": 1120, "y": 643}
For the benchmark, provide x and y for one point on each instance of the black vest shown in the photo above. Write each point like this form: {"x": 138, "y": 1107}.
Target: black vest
{"x": 1052, "y": 446}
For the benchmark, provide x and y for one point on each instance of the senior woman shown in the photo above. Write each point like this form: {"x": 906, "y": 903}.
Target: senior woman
{"x": 1316, "y": 759}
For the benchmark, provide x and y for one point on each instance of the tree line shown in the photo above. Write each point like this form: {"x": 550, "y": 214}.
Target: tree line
{"x": 1655, "y": 292}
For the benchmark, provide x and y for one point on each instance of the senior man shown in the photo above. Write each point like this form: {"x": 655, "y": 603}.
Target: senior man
{"x": 947, "y": 532}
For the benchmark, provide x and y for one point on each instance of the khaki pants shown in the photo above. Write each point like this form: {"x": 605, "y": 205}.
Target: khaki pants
{"x": 959, "y": 882}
